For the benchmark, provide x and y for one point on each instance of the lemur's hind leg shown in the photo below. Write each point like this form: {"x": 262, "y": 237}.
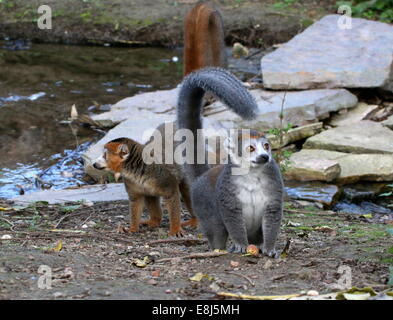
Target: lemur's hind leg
{"x": 185, "y": 192}
{"x": 153, "y": 207}
{"x": 172, "y": 203}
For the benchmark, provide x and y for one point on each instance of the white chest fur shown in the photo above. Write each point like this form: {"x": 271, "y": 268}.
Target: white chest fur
{"x": 253, "y": 197}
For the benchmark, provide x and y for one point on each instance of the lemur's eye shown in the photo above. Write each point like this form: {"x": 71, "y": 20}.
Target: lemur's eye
{"x": 266, "y": 146}
{"x": 250, "y": 149}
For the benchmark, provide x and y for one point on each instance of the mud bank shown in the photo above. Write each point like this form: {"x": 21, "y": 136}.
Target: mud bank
{"x": 155, "y": 22}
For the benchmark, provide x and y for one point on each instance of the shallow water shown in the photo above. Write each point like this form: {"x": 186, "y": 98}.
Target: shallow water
{"x": 38, "y": 88}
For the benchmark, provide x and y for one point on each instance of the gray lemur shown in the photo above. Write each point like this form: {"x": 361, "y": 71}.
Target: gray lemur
{"x": 246, "y": 207}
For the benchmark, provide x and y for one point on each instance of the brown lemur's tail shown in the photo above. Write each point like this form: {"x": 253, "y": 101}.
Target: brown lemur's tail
{"x": 226, "y": 87}
{"x": 203, "y": 38}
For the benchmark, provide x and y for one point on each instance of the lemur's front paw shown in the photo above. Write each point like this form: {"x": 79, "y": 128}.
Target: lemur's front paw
{"x": 271, "y": 253}
{"x": 237, "y": 248}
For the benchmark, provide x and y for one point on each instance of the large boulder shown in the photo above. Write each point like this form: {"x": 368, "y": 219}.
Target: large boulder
{"x": 325, "y": 56}
{"x": 364, "y": 137}
{"x": 353, "y": 167}
{"x": 300, "y": 107}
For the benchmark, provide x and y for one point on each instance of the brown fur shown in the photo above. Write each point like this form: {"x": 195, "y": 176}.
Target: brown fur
{"x": 203, "y": 38}
{"x": 145, "y": 184}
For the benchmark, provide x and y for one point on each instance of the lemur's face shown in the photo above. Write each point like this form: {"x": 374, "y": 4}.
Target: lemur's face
{"x": 112, "y": 158}
{"x": 253, "y": 149}
{"x": 257, "y": 152}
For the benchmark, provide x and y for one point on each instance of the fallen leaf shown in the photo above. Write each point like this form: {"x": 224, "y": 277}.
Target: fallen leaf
{"x": 356, "y": 294}
{"x": 199, "y": 276}
{"x": 74, "y": 112}
{"x": 141, "y": 263}
{"x": 59, "y": 246}
{"x": 326, "y": 229}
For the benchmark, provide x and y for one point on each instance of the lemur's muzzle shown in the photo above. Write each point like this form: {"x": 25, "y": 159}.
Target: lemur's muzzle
{"x": 98, "y": 166}
{"x": 263, "y": 158}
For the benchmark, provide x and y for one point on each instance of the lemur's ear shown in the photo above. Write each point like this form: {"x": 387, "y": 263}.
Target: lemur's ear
{"x": 123, "y": 151}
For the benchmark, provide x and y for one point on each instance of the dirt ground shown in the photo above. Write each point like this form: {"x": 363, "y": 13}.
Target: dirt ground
{"x": 258, "y": 23}
{"x": 95, "y": 261}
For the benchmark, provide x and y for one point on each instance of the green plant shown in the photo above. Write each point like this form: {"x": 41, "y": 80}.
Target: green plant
{"x": 371, "y": 9}
{"x": 284, "y": 4}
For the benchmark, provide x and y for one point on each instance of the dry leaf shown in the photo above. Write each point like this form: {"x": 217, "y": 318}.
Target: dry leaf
{"x": 74, "y": 112}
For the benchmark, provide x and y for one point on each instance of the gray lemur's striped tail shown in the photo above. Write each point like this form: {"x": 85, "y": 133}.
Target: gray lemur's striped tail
{"x": 226, "y": 87}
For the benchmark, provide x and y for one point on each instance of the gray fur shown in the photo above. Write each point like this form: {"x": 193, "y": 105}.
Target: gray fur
{"x": 247, "y": 207}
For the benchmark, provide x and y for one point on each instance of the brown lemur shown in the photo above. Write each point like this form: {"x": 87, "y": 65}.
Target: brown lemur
{"x": 203, "y": 46}
{"x": 146, "y": 183}
{"x": 247, "y": 207}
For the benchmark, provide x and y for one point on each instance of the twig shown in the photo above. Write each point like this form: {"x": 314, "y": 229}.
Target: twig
{"x": 9, "y": 222}
{"x": 253, "y": 54}
{"x": 67, "y": 216}
{"x": 181, "y": 240}
{"x": 249, "y": 297}
{"x": 242, "y": 276}
{"x": 210, "y": 254}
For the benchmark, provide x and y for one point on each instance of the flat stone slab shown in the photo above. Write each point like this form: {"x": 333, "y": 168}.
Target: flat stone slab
{"x": 353, "y": 116}
{"x": 295, "y": 134}
{"x": 300, "y": 107}
{"x": 147, "y": 104}
{"x": 364, "y": 137}
{"x": 325, "y": 56}
{"x": 94, "y": 193}
{"x": 388, "y": 122}
{"x": 312, "y": 191}
{"x": 354, "y": 167}
{"x": 312, "y": 169}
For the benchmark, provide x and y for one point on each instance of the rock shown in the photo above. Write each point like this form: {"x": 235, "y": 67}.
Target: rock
{"x": 353, "y": 116}
{"x": 300, "y": 107}
{"x": 312, "y": 169}
{"x": 388, "y": 122}
{"x": 312, "y": 191}
{"x": 359, "y": 57}
{"x": 142, "y": 106}
{"x": 94, "y": 193}
{"x": 361, "y": 190}
{"x": 362, "y": 208}
{"x": 354, "y": 167}
{"x": 295, "y": 134}
{"x": 365, "y": 137}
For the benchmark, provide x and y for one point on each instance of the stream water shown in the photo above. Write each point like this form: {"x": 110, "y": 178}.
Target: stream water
{"x": 37, "y": 89}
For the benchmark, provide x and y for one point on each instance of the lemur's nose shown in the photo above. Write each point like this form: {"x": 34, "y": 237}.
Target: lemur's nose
{"x": 97, "y": 166}
{"x": 263, "y": 158}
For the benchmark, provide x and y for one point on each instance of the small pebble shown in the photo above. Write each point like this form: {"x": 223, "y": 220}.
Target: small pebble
{"x": 58, "y": 295}
{"x": 313, "y": 293}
